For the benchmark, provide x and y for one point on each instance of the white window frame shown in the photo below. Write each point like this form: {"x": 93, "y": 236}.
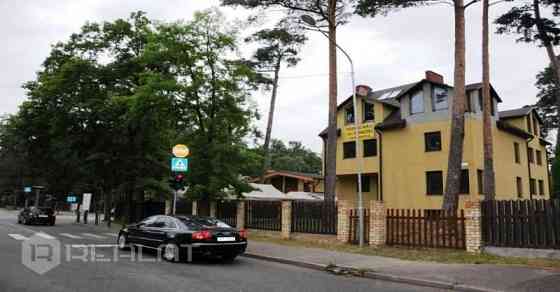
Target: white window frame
{"x": 435, "y": 104}
{"x": 420, "y": 95}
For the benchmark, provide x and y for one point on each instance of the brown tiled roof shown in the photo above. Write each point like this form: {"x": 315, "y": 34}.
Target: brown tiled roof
{"x": 295, "y": 174}
{"x": 519, "y": 112}
{"x": 393, "y": 121}
{"x": 504, "y": 126}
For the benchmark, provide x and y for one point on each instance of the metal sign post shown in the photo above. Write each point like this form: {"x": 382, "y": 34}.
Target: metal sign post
{"x": 179, "y": 164}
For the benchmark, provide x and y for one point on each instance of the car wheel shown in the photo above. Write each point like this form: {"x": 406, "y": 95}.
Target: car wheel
{"x": 170, "y": 252}
{"x": 122, "y": 242}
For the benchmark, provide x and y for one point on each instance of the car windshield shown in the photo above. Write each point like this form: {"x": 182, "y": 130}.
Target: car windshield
{"x": 203, "y": 222}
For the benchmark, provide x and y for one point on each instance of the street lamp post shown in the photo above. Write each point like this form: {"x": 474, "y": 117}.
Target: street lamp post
{"x": 311, "y": 21}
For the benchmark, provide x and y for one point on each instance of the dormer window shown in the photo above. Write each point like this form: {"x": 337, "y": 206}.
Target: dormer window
{"x": 369, "y": 113}
{"x": 440, "y": 98}
{"x": 349, "y": 115}
{"x": 417, "y": 103}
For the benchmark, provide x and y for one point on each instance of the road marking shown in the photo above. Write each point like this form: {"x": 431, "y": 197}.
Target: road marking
{"x": 71, "y": 236}
{"x": 92, "y": 245}
{"x": 94, "y": 235}
{"x": 18, "y": 237}
{"x": 111, "y": 234}
{"x": 44, "y": 235}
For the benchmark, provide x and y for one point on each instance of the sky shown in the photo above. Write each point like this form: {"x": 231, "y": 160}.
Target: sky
{"x": 387, "y": 51}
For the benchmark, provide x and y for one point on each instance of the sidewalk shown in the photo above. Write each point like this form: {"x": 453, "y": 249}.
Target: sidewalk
{"x": 444, "y": 276}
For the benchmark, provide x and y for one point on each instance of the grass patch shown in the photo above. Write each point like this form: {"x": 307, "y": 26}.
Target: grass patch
{"x": 447, "y": 256}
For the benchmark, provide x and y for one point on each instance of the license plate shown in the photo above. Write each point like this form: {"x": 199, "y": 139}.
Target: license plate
{"x": 222, "y": 239}
{"x": 43, "y": 216}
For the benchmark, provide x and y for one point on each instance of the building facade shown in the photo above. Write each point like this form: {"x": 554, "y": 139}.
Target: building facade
{"x": 403, "y": 146}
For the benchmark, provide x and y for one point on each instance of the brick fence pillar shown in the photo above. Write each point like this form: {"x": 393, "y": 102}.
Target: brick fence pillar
{"x": 343, "y": 224}
{"x": 286, "y": 219}
{"x": 377, "y": 223}
{"x": 473, "y": 234}
{"x": 194, "y": 208}
{"x": 213, "y": 209}
{"x": 240, "y": 215}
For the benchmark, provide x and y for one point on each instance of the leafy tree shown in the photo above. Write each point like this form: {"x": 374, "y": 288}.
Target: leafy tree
{"x": 278, "y": 45}
{"x": 375, "y": 7}
{"x": 291, "y": 157}
{"x": 527, "y": 20}
{"x": 210, "y": 90}
{"x": 546, "y": 104}
{"x": 327, "y": 14}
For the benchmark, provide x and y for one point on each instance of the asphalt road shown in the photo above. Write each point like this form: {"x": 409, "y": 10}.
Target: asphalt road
{"x": 103, "y": 271}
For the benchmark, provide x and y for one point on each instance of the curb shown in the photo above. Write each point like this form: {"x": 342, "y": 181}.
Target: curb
{"x": 375, "y": 275}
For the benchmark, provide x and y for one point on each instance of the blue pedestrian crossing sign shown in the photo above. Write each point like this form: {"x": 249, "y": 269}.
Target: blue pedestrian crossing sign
{"x": 179, "y": 164}
{"x": 71, "y": 199}
{"x": 27, "y": 189}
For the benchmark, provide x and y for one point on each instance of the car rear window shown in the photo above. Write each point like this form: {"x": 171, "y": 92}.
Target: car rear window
{"x": 201, "y": 222}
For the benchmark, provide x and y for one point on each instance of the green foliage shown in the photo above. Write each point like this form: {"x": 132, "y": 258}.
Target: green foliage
{"x": 291, "y": 157}
{"x": 374, "y": 8}
{"x": 546, "y": 104}
{"x": 110, "y": 102}
{"x": 522, "y": 20}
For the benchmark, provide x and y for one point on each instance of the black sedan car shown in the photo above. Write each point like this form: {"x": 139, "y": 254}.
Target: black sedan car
{"x": 34, "y": 215}
{"x": 182, "y": 237}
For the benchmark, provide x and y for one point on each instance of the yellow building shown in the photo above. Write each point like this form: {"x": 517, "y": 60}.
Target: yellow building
{"x": 403, "y": 146}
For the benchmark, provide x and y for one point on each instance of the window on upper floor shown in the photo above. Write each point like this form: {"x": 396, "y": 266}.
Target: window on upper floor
{"x": 366, "y": 183}
{"x": 479, "y": 179}
{"x": 481, "y": 103}
{"x": 440, "y": 98}
{"x": 464, "y": 185}
{"x": 539, "y": 157}
{"x": 434, "y": 182}
{"x": 519, "y": 183}
{"x": 417, "y": 103}
{"x": 432, "y": 141}
{"x": 516, "y": 152}
{"x": 541, "y": 187}
{"x": 370, "y": 147}
{"x": 369, "y": 112}
{"x": 532, "y": 186}
{"x": 349, "y": 150}
{"x": 530, "y": 155}
{"x": 349, "y": 115}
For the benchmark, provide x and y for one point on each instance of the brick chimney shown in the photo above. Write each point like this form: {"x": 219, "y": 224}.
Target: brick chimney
{"x": 363, "y": 90}
{"x": 434, "y": 77}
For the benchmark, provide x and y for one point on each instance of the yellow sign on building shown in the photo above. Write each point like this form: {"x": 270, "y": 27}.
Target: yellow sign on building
{"x": 365, "y": 131}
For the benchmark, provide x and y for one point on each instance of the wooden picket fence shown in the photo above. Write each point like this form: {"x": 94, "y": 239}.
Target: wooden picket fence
{"x": 425, "y": 228}
{"x": 355, "y": 226}
{"x": 521, "y": 223}
{"x": 314, "y": 217}
{"x": 265, "y": 215}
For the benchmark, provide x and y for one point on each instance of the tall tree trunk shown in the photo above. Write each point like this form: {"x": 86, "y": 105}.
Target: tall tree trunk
{"x": 556, "y": 70}
{"x": 330, "y": 171}
{"x": 489, "y": 184}
{"x": 266, "y": 163}
{"x": 451, "y": 196}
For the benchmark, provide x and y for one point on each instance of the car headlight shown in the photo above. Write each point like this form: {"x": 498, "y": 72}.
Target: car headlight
{"x": 125, "y": 229}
